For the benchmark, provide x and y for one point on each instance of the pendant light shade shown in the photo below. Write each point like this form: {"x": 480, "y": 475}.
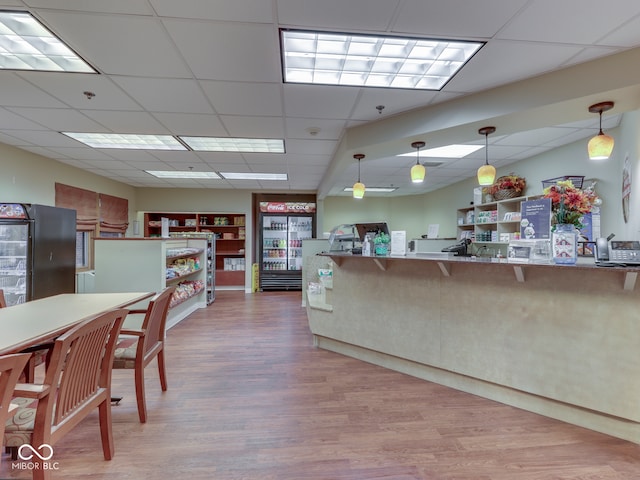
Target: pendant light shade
{"x": 358, "y": 187}
{"x": 418, "y": 171}
{"x": 486, "y": 173}
{"x": 600, "y": 146}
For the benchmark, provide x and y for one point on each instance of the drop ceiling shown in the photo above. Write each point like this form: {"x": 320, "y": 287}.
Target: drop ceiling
{"x": 213, "y": 68}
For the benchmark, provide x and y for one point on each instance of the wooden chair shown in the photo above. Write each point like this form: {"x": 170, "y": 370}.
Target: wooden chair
{"x": 38, "y": 353}
{"x": 148, "y": 344}
{"x": 11, "y": 367}
{"x": 77, "y": 381}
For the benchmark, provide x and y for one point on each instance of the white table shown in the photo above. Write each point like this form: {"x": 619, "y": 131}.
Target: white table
{"x": 40, "y": 321}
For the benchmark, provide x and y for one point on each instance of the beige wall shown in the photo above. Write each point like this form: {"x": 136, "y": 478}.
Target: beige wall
{"x": 415, "y": 213}
{"x": 27, "y": 177}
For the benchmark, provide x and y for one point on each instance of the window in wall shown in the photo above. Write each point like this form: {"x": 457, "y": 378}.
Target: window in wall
{"x": 96, "y": 215}
{"x": 83, "y": 257}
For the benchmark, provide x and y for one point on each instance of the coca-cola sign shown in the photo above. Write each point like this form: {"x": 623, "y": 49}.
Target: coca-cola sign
{"x": 287, "y": 207}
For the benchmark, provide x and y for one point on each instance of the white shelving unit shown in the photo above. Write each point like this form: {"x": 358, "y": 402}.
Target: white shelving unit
{"x": 138, "y": 265}
{"x": 485, "y": 223}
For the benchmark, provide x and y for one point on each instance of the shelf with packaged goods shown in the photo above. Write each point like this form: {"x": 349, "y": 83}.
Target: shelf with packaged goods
{"x": 140, "y": 264}
{"x": 492, "y": 221}
{"x": 230, "y": 232}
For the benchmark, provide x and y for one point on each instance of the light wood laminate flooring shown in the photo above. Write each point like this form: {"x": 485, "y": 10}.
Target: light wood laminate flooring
{"x": 251, "y": 398}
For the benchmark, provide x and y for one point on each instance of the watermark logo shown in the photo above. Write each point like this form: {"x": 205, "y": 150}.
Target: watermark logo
{"x": 26, "y": 454}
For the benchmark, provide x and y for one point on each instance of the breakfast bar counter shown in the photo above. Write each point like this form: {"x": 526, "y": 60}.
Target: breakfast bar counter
{"x": 562, "y": 341}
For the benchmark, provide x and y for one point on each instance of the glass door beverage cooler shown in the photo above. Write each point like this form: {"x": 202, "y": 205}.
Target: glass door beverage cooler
{"x": 37, "y": 251}
{"x": 283, "y": 227}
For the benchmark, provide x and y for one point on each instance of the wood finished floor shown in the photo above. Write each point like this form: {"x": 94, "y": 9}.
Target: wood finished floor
{"x": 251, "y": 398}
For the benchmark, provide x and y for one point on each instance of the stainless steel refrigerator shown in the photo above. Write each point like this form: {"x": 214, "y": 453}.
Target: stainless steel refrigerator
{"x": 37, "y": 251}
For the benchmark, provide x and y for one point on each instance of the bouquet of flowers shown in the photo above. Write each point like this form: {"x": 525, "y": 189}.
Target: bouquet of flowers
{"x": 568, "y": 203}
{"x": 510, "y": 182}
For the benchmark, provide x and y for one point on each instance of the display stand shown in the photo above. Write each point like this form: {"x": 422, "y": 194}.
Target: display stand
{"x": 136, "y": 265}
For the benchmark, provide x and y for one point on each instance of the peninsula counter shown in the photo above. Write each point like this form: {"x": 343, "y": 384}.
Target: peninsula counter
{"x": 562, "y": 341}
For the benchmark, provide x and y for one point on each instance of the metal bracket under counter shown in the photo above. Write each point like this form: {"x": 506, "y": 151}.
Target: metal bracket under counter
{"x": 629, "y": 276}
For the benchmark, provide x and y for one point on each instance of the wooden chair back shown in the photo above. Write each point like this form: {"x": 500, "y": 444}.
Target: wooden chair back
{"x": 85, "y": 354}
{"x": 11, "y": 367}
{"x": 3, "y": 301}
{"x": 77, "y": 381}
{"x": 148, "y": 346}
{"x": 154, "y": 325}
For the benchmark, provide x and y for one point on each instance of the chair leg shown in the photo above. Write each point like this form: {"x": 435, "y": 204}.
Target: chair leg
{"x": 162, "y": 371}
{"x": 13, "y": 451}
{"x": 30, "y": 370}
{"x": 142, "y": 405}
{"x": 106, "y": 430}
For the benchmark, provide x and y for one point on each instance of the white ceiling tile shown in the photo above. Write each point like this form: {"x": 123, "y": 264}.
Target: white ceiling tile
{"x": 16, "y": 92}
{"x": 302, "y": 128}
{"x": 174, "y": 67}
{"x": 133, "y": 7}
{"x": 69, "y": 88}
{"x": 12, "y": 121}
{"x": 562, "y": 22}
{"x": 120, "y": 45}
{"x": 61, "y": 119}
{"x": 456, "y": 18}
{"x": 127, "y": 122}
{"x": 253, "y": 127}
{"x": 192, "y": 124}
{"x": 229, "y": 10}
{"x": 314, "y": 147}
{"x": 499, "y": 63}
{"x": 337, "y": 14}
{"x": 237, "y": 98}
{"x": 166, "y": 94}
{"x": 205, "y": 46}
{"x": 324, "y": 101}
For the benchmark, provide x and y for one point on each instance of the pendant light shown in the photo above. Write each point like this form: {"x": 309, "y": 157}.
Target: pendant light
{"x": 486, "y": 173}
{"x": 358, "y": 187}
{"x": 418, "y": 171}
{"x": 600, "y": 146}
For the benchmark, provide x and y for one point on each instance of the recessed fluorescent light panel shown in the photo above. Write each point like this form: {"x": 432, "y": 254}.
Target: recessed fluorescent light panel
{"x": 374, "y": 189}
{"x": 127, "y": 141}
{"x": 26, "y": 44}
{"x": 372, "y": 61}
{"x": 239, "y": 145}
{"x": 253, "y": 176}
{"x": 448, "y": 151}
{"x": 181, "y": 174}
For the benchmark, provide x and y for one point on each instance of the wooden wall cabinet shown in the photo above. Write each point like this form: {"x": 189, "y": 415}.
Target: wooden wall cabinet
{"x": 230, "y": 231}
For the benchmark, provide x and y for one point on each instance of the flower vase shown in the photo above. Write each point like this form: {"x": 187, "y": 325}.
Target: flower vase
{"x": 564, "y": 244}
{"x": 382, "y": 249}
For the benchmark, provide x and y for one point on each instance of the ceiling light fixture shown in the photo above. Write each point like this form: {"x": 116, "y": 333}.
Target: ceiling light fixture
{"x": 26, "y": 44}
{"x": 181, "y": 174}
{"x": 600, "y": 146}
{"x": 486, "y": 173}
{"x": 254, "y": 176}
{"x": 372, "y": 61}
{"x": 127, "y": 141}
{"x": 358, "y": 187}
{"x": 238, "y": 145}
{"x": 418, "y": 171}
